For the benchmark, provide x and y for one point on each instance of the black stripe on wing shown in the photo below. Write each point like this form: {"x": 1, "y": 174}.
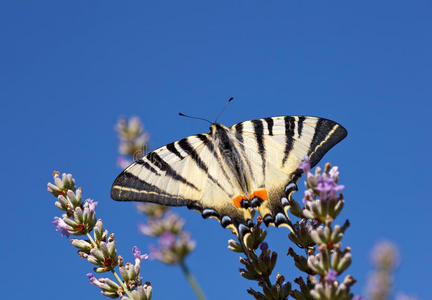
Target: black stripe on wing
{"x": 158, "y": 162}
{"x": 128, "y": 187}
{"x": 186, "y": 146}
{"x": 207, "y": 142}
{"x": 300, "y": 126}
{"x": 239, "y": 136}
{"x": 173, "y": 149}
{"x": 327, "y": 134}
{"x": 147, "y": 166}
{"x": 289, "y": 135}
{"x": 259, "y": 135}
{"x": 270, "y": 124}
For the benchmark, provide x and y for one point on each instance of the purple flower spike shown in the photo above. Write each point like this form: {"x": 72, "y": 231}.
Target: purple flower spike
{"x": 305, "y": 165}
{"x": 61, "y": 225}
{"x": 357, "y": 298}
{"x": 331, "y": 275}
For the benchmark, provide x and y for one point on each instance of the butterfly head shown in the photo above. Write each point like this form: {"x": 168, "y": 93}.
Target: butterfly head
{"x": 216, "y": 129}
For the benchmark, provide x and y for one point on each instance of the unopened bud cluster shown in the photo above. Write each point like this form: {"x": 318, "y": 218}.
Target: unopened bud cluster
{"x": 79, "y": 219}
{"x": 133, "y": 139}
{"x": 174, "y": 244}
{"x": 260, "y": 267}
{"x": 385, "y": 258}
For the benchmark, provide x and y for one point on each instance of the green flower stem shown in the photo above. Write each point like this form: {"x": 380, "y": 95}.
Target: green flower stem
{"x": 91, "y": 240}
{"x": 122, "y": 284}
{"x": 192, "y": 281}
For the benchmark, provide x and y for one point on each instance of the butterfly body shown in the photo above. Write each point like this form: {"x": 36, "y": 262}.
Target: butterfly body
{"x": 226, "y": 173}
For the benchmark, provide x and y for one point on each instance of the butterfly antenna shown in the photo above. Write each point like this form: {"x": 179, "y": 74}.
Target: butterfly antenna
{"x": 192, "y": 117}
{"x": 223, "y": 108}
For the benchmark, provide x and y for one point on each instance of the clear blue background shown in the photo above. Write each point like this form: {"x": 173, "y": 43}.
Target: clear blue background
{"x": 69, "y": 69}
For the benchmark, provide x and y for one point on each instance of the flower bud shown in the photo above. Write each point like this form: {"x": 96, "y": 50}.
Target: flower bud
{"x": 82, "y": 245}
{"x": 234, "y": 246}
{"x": 74, "y": 198}
{"x": 60, "y": 186}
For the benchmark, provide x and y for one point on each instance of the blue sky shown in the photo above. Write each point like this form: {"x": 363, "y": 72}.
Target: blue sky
{"x": 71, "y": 69}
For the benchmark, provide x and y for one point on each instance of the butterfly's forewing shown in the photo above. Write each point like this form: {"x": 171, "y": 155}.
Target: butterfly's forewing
{"x": 158, "y": 177}
{"x": 189, "y": 172}
{"x": 273, "y": 149}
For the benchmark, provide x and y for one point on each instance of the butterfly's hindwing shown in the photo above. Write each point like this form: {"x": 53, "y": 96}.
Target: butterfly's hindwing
{"x": 206, "y": 172}
{"x": 274, "y": 148}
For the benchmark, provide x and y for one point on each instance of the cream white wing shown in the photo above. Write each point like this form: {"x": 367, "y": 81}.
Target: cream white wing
{"x": 272, "y": 149}
{"x": 187, "y": 172}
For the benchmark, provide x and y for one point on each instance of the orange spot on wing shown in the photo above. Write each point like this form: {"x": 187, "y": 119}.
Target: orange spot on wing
{"x": 262, "y": 194}
{"x": 237, "y": 200}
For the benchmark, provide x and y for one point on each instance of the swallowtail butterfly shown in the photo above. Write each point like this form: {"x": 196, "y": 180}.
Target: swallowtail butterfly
{"x": 227, "y": 172}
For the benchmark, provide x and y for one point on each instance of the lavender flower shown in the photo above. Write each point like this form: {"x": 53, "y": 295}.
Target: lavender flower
{"x": 385, "y": 255}
{"x": 93, "y": 280}
{"x": 167, "y": 222}
{"x": 91, "y": 205}
{"x": 62, "y": 226}
{"x": 61, "y": 185}
{"x": 133, "y": 139}
{"x": 260, "y": 267}
{"x": 331, "y": 275}
{"x": 305, "y": 165}
{"x": 172, "y": 248}
{"x": 137, "y": 254}
{"x": 100, "y": 249}
{"x": 385, "y": 258}
{"x": 327, "y": 187}
{"x": 317, "y": 233}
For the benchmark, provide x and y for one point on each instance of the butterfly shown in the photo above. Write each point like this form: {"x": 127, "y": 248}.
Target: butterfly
{"x": 229, "y": 172}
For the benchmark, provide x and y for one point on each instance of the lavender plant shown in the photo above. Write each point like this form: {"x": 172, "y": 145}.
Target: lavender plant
{"x": 322, "y": 258}
{"x": 174, "y": 244}
{"x": 385, "y": 258}
{"x": 79, "y": 219}
{"x": 315, "y": 232}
